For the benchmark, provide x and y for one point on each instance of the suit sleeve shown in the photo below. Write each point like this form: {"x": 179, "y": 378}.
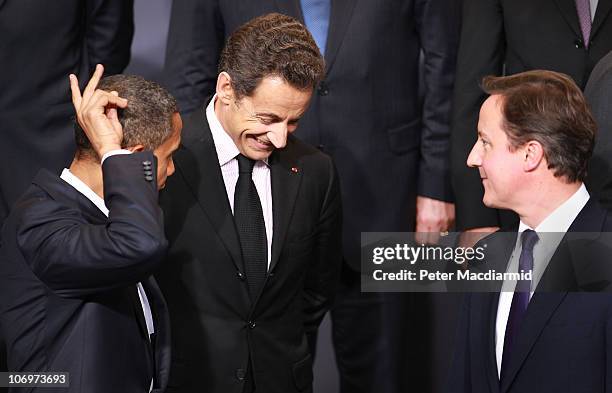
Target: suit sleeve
{"x": 438, "y": 22}
{"x": 195, "y": 39}
{"x": 76, "y": 258}
{"x": 109, "y": 28}
{"x": 321, "y": 281}
{"x": 481, "y": 53}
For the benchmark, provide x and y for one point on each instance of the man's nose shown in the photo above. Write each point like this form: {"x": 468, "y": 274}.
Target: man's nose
{"x": 277, "y": 134}
{"x": 474, "y": 158}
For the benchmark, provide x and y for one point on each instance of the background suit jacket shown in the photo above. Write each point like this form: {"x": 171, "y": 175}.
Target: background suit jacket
{"x": 387, "y": 143}
{"x": 216, "y": 327}
{"x": 507, "y": 37}
{"x": 565, "y": 339}
{"x": 42, "y": 42}
{"x": 68, "y": 274}
{"x": 598, "y": 93}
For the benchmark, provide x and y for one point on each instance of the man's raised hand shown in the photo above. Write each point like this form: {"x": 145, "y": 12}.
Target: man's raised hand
{"x": 96, "y": 112}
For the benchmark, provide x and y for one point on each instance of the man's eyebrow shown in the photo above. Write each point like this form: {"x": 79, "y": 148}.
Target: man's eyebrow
{"x": 275, "y": 118}
{"x": 271, "y": 116}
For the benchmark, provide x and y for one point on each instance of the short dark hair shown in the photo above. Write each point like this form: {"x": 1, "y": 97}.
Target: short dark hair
{"x": 271, "y": 45}
{"x": 547, "y": 107}
{"x": 147, "y": 119}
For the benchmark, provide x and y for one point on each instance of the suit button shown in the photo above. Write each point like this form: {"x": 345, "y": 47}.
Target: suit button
{"x": 252, "y": 324}
{"x": 240, "y": 275}
{"x": 149, "y": 178}
{"x": 321, "y": 147}
{"x": 146, "y": 162}
{"x": 323, "y": 89}
{"x": 240, "y": 374}
{"x": 579, "y": 44}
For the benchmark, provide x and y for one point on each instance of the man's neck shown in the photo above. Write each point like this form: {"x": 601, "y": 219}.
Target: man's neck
{"x": 547, "y": 199}
{"x": 89, "y": 171}
{"x": 219, "y": 112}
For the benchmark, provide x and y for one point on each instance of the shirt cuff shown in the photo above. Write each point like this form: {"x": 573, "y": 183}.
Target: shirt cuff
{"x": 114, "y": 153}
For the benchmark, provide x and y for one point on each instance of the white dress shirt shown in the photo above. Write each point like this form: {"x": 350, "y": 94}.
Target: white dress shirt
{"x": 226, "y": 153}
{"x": 593, "y": 4}
{"x": 81, "y": 187}
{"x": 550, "y": 232}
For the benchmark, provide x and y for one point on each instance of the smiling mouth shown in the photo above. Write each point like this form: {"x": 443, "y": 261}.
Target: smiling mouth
{"x": 262, "y": 143}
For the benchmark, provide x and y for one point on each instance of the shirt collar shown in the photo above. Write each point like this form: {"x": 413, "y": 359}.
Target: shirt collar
{"x": 84, "y": 189}
{"x": 224, "y": 144}
{"x": 563, "y": 216}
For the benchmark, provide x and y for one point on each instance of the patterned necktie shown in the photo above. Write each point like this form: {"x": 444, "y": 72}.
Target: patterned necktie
{"x": 583, "y": 7}
{"x": 316, "y": 16}
{"x": 520, "y": 299}
{"x": 248, "y": 216}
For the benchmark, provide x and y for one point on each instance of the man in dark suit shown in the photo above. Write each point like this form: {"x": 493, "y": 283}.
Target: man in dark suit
{"x": 253, "y": 217}
{"x": 390, "y": 147}
{"x": 535, "y": 138}
{"x": 42, "y": 42}
{"x": 78, "y": 250}
{"x": 504, "y": 37}
{"x": 598, "y": 93}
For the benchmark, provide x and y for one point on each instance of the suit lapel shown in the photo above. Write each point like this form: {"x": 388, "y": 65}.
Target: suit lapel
{"x": 291, "y": 8}
{"x": 161, "y": 322}
{"x": 340, "y": 16}
{"x": 601, "y": 14}
{"x": 286, "y": 177}
{"x": 541, "y": 308}
{"x": 204, "y": 177}
{"x": 138, "y": 310}
{"x": 568, "y": 10}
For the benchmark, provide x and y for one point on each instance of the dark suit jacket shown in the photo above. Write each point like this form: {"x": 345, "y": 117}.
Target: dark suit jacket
{"x": 68, "y": 296}
{"x": 598, "y": 93}
{"x": 42, "y": 42}
{"x": 216, "y": 328}
{"x": 507, "y": 37}
{"x": 388, "y": 144}
{"x": 565, "y": 339}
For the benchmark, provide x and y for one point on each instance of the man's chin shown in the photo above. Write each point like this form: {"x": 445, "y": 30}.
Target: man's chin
{"x": 258, "y": 155}
{"x": 494, "y": 205}
{"x": 489, "y": 203}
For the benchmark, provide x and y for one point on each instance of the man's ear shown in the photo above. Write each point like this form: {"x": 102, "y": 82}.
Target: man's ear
{"x": 225, "y": 91}
{"x": 135, "y": 149}
{"x": 534, "y": 155}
